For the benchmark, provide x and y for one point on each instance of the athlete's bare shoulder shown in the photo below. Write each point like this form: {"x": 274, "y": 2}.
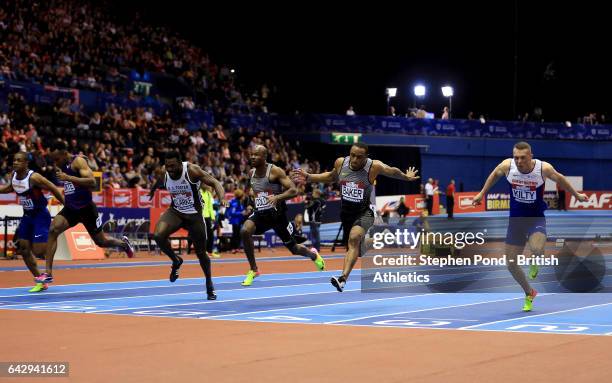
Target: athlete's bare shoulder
{"x": 276, "y": 173}
{"x": 505, "y": 164}
{"x": 79, "y": 163}
{"x": 338, "y": 163}
{"x": 546, "y": 165}
{"x": 195, "y": 172}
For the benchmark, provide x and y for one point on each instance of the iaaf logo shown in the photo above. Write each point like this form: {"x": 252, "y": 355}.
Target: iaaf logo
{"x": 498, "y": 196}
{"x": 595, "y": 201}
{"x": 82, "y": 241}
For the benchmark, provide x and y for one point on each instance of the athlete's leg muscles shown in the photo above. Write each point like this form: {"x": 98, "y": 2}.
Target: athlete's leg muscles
{"x": 197, "y": 232}
{"x": 58, "y": 226}
{"x": 356, "y": 235}
{"x": 168, "y": 223}
{"x": 104, "y": 241}
{"x": 537, "y": 242}
{"x": 301, "y": 250}
{"x": 25, "y": 249}
{"x": 517, "y": 272}
{"x": 246, "y": 233}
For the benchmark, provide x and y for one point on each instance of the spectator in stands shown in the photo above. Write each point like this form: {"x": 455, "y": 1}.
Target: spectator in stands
{"x": 4, "y": 120}
{"x": 350, "y": 111}
{"x": 445, "y": 114}
{"x": 421, "y": 112}
{"x": 538, "y": 114}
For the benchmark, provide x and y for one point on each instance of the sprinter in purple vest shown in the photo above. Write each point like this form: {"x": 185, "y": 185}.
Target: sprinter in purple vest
{"x": 78, "y": 181}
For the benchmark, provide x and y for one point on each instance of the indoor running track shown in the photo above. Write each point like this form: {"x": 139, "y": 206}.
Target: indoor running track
{"x": 309, "y": 298}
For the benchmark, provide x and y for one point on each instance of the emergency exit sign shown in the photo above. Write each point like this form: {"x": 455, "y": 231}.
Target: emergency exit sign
{"x": 345, "y": 138}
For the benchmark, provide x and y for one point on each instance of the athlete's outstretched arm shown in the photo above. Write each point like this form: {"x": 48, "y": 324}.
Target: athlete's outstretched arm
{"x": 86, "y": 178}
{"x": 290, "y": 189}
{"x": 495, "y": 175}
{"x": 299, "y": 175}
{"x": 43, "y": 183}
{"x": 550, "y": 172}
{"x": 197, "y": 174}
{"x": 380, "y": 168}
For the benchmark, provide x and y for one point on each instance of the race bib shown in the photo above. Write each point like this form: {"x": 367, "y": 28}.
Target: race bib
{"x": 68, "y": 188}
{"x": 26, "y": 203}
{"x": 261, "y": 201}
{"x": 352, "y": 192}
{"x": 183, "y": 200}
{"x": 524, "y": 194}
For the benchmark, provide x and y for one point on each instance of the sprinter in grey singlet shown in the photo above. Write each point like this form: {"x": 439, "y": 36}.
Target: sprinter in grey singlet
{"x": 356, "y": 175}
{"x": 271, "y": 188}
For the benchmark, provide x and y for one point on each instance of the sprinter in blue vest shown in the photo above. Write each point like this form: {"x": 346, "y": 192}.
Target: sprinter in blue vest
{"x": 526, "y": 178}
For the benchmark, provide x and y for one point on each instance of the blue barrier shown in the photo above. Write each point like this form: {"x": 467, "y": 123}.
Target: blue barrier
{"x": 453, "y": 128}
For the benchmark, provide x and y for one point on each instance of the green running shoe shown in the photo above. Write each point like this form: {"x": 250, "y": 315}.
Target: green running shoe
{"x": 528, "y": 306}
{"x": 39, "y": 287}
{"x": 319, "y": 261}
{"x": 248, "y": 281}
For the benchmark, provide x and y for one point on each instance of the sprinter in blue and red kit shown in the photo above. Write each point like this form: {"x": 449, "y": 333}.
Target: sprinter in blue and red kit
{"x": 33, "y": 230}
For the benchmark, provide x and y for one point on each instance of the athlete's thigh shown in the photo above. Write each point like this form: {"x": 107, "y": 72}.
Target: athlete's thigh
{"x": 24, "y": 246}
{"x": 511, "y": 251}
{"x": 537, "y": 242}
{"x": 262, "y": 222}
{"x": 168, "y": 223}
{"x": 92, "y": 221}
{"x": 39, "y": 249}
{"x": 196, "y": 226}
{"x": 356, "y": 234}
{"x": 284, "y": 230}
{"x": 249, "y": 226}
